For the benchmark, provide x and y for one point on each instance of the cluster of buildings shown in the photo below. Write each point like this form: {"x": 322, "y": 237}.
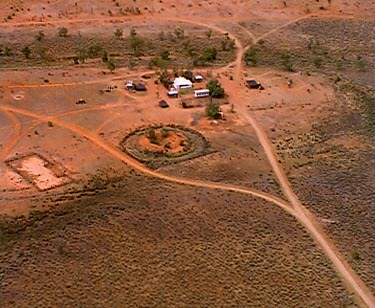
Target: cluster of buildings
{"x": 180, "y": 83}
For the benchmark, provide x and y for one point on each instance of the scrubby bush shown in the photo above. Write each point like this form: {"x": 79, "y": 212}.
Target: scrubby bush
{"x": 213, "y": 111}
{"x": 63, "y": 32}
{"x": 251, "y": 58}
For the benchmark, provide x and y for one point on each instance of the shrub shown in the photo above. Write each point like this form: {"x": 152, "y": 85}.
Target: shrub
{"x": 209, "y": 55}
{"x": 208, "y": 33}
{"x": 105, "y": 57}
{"x": 118, "y": 33}
{"x": 251, "y": 58}
{"x": 360, "y": 63}
{"x": 356, "y": 256}
{"x": 50, "y": 124}
{"x": 63, "y": 32}
{"x": 165, "y": 79}
{"x": 286, "y": 62}
{"x": 26, "y": 52}
{"x": 318, "y": 62}
{"x": 213, "y": 111}
{"x": 39, "y": 36}
{"x": 164, "y": 54}
{"x": 94, "y": 50}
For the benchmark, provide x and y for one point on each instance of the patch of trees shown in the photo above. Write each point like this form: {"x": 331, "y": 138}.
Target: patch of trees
{"x": 165, "y": 78}
{"x": 251, "y": 57}
{"x": 215, "y": 88}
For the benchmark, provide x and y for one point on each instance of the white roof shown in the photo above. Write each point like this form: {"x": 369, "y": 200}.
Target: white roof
{"x": 198, "y": 77}
{"x": 202, "y": 91}
{"x": 173, "y": 90}
{"x": 181, "y": 81}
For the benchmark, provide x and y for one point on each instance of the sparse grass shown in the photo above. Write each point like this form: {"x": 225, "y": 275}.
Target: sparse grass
{"x": 225, "y": 252}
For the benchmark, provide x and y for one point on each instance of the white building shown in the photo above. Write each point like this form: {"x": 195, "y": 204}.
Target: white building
{"x": 182, "y": 83}
{"x": 172, "y": 93}
{"x": 201, "y": 93}
{"x": 129, "y": 85}
{"x": 198, "y": 78}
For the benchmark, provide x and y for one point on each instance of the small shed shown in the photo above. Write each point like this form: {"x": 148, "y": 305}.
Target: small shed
{"x": 140, "y": 87}
{"x": 129, "y": 85}
{"x": 198, "y": 78}
{"x": 163, "y": 104}
{"x": 252, "y": 84}
{"x": 172, "y": 93}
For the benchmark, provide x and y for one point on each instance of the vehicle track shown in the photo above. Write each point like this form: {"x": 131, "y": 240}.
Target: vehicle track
{"x": 16, "y": 134}
{"x": 114, "y": 151}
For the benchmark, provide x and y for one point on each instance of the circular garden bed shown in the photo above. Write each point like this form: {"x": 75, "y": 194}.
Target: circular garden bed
{"x": 160, "y": 145}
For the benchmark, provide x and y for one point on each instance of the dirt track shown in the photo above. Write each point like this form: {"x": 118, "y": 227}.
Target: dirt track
{"x": 351, "y": 279}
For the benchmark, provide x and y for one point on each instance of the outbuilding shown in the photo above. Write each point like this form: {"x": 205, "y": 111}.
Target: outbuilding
{"x": 198, "y": 78}
{"x": 172, "y": 93}
{"x": 140, "y": 87}
{"x": 129, "y": 85}
{"x": 252, "y": 84}
{"x": 182, "y": 83}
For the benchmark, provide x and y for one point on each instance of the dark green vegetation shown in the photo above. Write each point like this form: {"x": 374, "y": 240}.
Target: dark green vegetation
{"x": 167, "y": 50}
{"x": 215, "y": 88}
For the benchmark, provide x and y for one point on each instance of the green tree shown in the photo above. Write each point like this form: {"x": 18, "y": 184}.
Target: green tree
{"x": 165, "y": 79}
{"x": 251, "y": 57}
{"x": 136, "y": 44}
{"x": 26, "y": 52}
{"x": 151, "y": 135}
{"x": 94, "y": 50}
{"x": 209, "y": 54}
{"x": 215, "y": 88}
{"x": 164, "y": 54}
{"x": 105, "y": 57}
{"x": 213, "y": 110}
{"x": 82, "y": 55}
{"x": 63, "y": 32}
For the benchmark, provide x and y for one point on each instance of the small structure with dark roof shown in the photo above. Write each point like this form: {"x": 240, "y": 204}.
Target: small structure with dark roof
{"x": 252, "y": 84}
{"x": 140, "y": 87}
{"x": 163, "y": 104}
